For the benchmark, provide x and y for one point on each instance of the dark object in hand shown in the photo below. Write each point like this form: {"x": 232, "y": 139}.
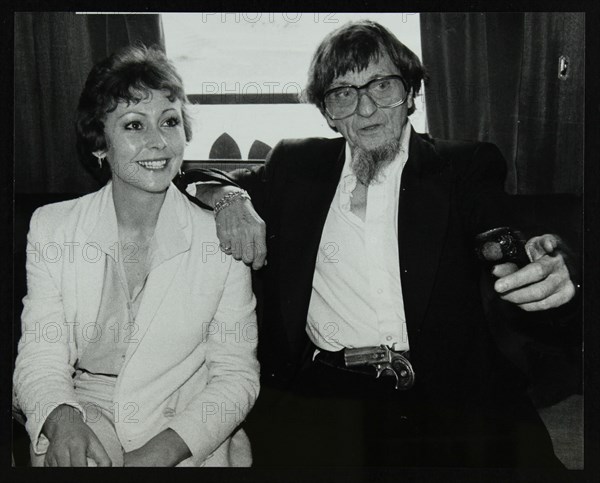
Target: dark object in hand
{"x": 501, "y": 245}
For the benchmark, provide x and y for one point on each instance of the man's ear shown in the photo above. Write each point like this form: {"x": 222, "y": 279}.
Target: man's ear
{"x": 330, "y": 122}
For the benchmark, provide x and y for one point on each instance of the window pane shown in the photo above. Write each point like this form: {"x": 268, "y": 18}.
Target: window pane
{"x": 261, "y": 53}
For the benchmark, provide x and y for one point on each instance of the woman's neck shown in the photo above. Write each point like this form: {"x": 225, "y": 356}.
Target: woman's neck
{"x": 137, "y": 211}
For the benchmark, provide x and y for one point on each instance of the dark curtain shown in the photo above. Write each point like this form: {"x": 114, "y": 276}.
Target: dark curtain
{"x": 494, "y": 77}
{"x": 54, "y": 51}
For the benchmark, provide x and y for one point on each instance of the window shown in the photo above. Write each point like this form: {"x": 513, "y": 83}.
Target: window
{"x": 244, "y": 71}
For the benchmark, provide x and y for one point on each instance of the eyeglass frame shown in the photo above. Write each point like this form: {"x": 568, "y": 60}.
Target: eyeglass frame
{"x": 364, "y": 87}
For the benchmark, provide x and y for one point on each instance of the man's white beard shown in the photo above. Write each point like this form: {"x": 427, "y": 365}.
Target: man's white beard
{"x": 367, "y": 164}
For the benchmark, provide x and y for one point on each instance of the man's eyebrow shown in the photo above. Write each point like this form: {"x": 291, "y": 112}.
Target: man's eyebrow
{"x": 335, "y": 84}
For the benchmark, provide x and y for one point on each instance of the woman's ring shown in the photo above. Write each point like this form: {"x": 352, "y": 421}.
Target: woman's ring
{"x": 225, "y": 248}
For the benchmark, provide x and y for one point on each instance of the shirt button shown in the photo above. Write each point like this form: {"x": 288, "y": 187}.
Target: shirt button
{"x": 389, "y": 338}
{"x": 379, "y": 291}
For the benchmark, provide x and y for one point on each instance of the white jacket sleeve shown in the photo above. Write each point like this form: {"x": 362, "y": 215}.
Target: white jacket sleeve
{"x": 233, "y": 385}
{"x": 46, "y": 350}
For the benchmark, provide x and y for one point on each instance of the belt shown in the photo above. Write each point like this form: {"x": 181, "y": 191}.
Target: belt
{"x": 374, "y": 361}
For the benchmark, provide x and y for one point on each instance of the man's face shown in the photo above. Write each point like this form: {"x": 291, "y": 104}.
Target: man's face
{"x": 371, "y": 127}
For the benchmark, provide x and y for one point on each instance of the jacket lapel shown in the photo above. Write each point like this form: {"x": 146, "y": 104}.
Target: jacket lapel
{"x": 422, "y": 220}
{"x": 173, "y": 236}
{"x": 93, "y": 238}
{"x": 313, "y": 193}
{"x": 157, "y": 286}
{"x": 89, "y": 280}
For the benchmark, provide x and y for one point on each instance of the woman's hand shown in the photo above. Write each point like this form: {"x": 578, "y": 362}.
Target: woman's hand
{"x": 72, "y": 441}
{"x": 165, "y": 449}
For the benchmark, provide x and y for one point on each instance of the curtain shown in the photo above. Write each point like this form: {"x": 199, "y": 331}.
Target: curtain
{"x": 54, "y": 51}
{"x": 494, "y": 78}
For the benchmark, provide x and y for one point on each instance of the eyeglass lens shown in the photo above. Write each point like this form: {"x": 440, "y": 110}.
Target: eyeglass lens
{"x": 384, "y": 92}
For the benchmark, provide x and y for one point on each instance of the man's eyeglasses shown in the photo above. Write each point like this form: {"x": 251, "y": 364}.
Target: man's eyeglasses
{"x": 387, "y": 91}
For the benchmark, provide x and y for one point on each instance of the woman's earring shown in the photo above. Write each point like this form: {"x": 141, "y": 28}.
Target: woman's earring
{"x": 100, "y": 159}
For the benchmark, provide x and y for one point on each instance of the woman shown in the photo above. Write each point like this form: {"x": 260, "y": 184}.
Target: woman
{"x": 139, "y": 339}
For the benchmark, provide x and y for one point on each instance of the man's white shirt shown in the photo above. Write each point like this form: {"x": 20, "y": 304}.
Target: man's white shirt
{"x": 356, "y": 296}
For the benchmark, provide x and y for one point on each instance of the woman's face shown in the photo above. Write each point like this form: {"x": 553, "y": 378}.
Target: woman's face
{"x": 145, "y": 142}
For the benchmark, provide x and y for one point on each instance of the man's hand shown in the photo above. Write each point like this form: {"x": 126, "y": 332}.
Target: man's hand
{"x": 242, "y": 233}
{"x": 72, "y": 441}
{"x": 166, "y": 449}
{"x": 543, "y": 284}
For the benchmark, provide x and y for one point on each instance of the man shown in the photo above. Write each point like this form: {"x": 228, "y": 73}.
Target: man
{"x": 370, "y": 248}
